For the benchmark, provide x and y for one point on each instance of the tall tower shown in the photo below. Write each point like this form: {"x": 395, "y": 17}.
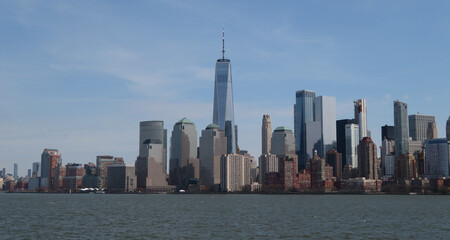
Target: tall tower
{"x": 361, "y": 117}
{"x": 448, "y": 129}
{"x": 223, "y": 99}
{"x": 283, "y": 142}
{"x": 418, "y": 126}
{"x": 213, "y": 144}
{"x": 183, "y": 152}
{"x": 325, "y": 113}
{"x": 401, "y": 128}
{"x": 368, "y": 165}
{"x": 303, "y": 112}
{"x": 266, "y": 134}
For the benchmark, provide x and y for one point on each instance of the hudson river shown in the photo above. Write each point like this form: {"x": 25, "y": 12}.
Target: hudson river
{"x": 223, "y": 216}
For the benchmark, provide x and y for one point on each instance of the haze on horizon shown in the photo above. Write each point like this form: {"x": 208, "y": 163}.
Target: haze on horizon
{"x": 80, "y": 76}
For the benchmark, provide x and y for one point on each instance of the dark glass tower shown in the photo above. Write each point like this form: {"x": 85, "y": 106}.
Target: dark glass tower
{"x": 223, "y": 100}
{"x": 340, "y": 137}
{"x": 303, "y": 112}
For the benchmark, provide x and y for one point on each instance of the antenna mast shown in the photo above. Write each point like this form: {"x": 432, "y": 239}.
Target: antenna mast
{"x": 223, "y": 43}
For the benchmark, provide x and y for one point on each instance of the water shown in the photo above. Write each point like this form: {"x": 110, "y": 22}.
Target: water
{"x": 227, "y": 216}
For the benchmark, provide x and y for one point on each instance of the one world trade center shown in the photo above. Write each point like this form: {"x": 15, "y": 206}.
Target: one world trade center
{"x": 223, "y": 114}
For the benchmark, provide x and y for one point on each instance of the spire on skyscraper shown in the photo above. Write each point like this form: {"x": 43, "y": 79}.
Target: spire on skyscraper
{"x": 223, "y": 43}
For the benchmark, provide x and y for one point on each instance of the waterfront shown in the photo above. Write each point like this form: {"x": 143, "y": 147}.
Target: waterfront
{"x": 226, "y": 216}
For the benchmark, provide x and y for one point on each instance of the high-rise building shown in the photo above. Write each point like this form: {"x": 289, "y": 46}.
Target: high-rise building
{"x": 340, "y": 138}
{"x": 401, "y": 128}
{"x": 432, "y": 131}
{"x": 387, "y": 132}
{"x": 303, "y": 113}
{"x": 361, "y": 117}
{"x": 405, "y": 166}
{"x": 156, "y": 176}
{"x": 387, "y": 158}
{"x": 313, "y": 138}
{"x": 368, "y": 163}
{"x": 183, "y": 152}
{"x": 16, "y": 169}
{"x": 213, "y": 144}
{"x": 50, "y": 159}
{"x": 283, "y": 142}
{"x": 223, "y": 99}
{"x": 36, "y": 169}
{"x": 325, "y": 113}
{"x": 235, "y": 172}
{"x": 102, "y": 168}
{"x": 152, "y": 157}
{"x": 152, "y": 130}
{"x": 268, "y": 163}
{"x": 74, "y": 176}
{"x": 4, "y": 172}
{"x": 418, "y": 126}
{"x": 437, "y": 163}
{"x": 351, "y": 141}
{"x": 122, "y": 178}
{"x": 29, "y": 173}
{"x": 448, "y": 129}
{"x": 334, "y": 159}
{"x": 266, "y": 134}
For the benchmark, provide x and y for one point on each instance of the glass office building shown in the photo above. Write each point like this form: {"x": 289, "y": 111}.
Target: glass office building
{"x": 223, "y": 101}
{"x": 303, "y": 112}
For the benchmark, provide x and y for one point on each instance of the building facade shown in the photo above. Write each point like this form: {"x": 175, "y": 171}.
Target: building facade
{"x": 368, "y": 164}
{"x": 437, "y": 163}
{"x": 351, "y": 141}
{"x": 235, "y": 172}
{"x": 50, "y": 159}
{"x": 340, "y": 138}
{"x": 266, "y": 134}
{"x": 183, "y": 152}
{"x": 401, "y": 128}
{"x": 213, "y": 145}
{"x": 223, "y": 109}
{"x": 361, "y": 117}
{"x": 303, "y": 113}
{"x": 325, "y": 113}
{"x": 418, "y": 126}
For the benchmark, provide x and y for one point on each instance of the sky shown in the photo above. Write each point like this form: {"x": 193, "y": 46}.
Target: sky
{"x": 79, "y": 76}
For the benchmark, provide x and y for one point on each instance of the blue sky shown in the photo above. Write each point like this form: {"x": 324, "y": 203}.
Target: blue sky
{"x": 79, "y": 76}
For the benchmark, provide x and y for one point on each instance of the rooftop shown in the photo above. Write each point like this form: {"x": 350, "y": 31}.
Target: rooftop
{"x": 185, "y": 121}
{"x": 212, "y": 126}
{"x": 279, "y": 129}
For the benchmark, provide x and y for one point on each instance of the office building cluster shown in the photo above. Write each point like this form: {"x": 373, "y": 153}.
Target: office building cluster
{"x": 321, "y": 154}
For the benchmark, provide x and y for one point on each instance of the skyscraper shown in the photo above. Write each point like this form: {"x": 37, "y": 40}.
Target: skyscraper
{"x": 223, "y": 99}
{"x": 368, "y": 163}
{"x": 418, "y": 126}
{"x": 432, "y": 131}
{"x": 361, "y": 117}
{"x": 266, "y": 134}
{"x": 16, "y": 176}
{"x": 183, "y": 152}
{"x": 303, "y": 112}
{"x": 36, "y": 169}
{"x": 283, "y": 142}
{"x": 213, "y": 144}
{"x": 387, "y": 132}
{"x": 325, "y": 113}
{"x": 448, "y": 129}
{"x": 351, "y": 147}
{"x": 152, "y": 130}
{"x": 152, "y": 157}
{"x": 235, "y": 172}
{"x": 340, "y": 138}
{"x": 401, "y": 128}
{"x": 437, "y": 162}
{"x": 50, "y": 159}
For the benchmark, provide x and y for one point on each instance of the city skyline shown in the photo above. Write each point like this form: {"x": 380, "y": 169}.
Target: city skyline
{"x": 84, "y": 92}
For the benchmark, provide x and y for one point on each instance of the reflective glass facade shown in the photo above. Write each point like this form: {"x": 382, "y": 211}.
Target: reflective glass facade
{"x": 223, "y": 100}
{"x": 401, "y": 128}
{"x": 303, "y": 112}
